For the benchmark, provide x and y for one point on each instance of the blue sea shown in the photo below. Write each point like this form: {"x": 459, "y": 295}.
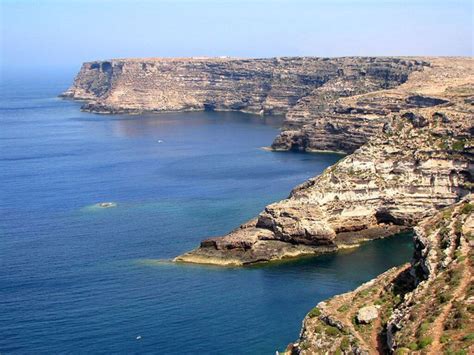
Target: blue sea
{"x": 76, "y": 278}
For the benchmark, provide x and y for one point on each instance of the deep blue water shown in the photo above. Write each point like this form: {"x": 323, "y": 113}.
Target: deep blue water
{"x": 75, "y": 278}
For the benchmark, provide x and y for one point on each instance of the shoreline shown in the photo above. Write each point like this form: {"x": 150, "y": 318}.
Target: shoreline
{"x": 201, "y": 256}
{"x": 308, "y": 151}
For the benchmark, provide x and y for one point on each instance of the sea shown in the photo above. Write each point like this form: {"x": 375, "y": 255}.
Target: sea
{"x": 79, "y": 278}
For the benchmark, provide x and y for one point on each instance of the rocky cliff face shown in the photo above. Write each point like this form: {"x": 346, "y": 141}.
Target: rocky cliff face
{"x": 262, "y": 86}
{"x": 420, "y": 160}
{"x": 426, "y": 307}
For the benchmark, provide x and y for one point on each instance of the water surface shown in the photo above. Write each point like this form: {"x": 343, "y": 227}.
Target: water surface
{"x": 77, "y": 278}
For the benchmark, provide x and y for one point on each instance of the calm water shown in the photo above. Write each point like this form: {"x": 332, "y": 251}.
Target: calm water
{"x": 75, "y": 278}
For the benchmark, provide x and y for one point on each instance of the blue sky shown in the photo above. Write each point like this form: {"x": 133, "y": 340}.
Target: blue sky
{"x": 66, "y": 33}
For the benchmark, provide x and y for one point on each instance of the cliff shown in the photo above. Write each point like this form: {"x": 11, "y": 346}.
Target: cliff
{"x": 420, "y": 160}
{"x": 262, "y": 86}
{"x": 426, "y": 306}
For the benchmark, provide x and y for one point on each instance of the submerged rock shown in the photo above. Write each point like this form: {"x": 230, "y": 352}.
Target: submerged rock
{"x": 106, "y": 204}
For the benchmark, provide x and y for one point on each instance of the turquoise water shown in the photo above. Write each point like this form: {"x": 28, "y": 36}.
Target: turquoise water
{"x": 75, "y": 278}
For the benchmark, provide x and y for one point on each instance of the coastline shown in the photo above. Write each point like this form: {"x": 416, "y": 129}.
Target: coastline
{"x": 385, "y": 126}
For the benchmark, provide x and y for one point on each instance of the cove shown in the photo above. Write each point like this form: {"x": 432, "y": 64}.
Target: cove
{"x": 76, "y": 278}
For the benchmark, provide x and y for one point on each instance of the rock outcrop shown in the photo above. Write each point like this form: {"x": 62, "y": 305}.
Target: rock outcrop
{"x": 420, "y": 160}
{"x": 367, "y": 314}
{"x": 424, "y": 307}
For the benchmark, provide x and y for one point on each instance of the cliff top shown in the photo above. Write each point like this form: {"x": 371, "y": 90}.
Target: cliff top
{"x": 231, "y": 58}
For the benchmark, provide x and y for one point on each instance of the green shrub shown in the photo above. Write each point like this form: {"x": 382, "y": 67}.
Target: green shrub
{"x": 397, "y": 299}
{"x": 450, "y": 351}
{"x": 304, "y": 345}
{"x": 424, "y": 342}
{"x": 447, "y": 213}
{"x": 444, "y": 339}
{"x": 315, "y": 312}
{"x": 459, "y": 145}
{"x": 444, "y": 297}
{"x": 424, "y": 327}
{"x": 364, "y": 293}
{"x": 343, "y": 308}
{"x": 458, "y": 227}
{"x": 455, "y": 276}
{"x": 345, "y": 343}
{"x": 332, "y": 331}
{"x": 468, "y": 337}
{"x": 467, "y": 208}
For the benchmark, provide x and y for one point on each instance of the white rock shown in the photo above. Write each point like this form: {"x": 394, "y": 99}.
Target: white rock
{"x": 367, "y": 314}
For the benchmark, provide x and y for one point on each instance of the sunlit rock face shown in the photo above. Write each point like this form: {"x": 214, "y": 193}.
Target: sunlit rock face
{"x": 262, "y": 86}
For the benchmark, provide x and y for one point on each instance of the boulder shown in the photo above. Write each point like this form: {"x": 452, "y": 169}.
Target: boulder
{"x": 367, "y": 314}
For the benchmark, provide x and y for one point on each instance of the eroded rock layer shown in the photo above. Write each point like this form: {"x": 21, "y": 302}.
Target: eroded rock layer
{"x": 418, "y": 159}
{"x": 262, "y": 86}
{"x": 425, "y": 307}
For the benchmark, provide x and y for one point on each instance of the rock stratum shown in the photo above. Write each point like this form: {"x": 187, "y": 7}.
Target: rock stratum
{"x": 407, "y": 124}
{"x": 426, "y": 307}
{"x": 260, "y": 86}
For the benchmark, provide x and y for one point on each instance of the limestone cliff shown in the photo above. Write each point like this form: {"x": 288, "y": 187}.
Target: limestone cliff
{"x": 262, "y": 86}
{"x": 426, "y": 307}
{"x": 420, "y": 160}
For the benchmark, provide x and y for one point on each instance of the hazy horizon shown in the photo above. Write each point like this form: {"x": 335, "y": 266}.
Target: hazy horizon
{"x": 55, "y": 33}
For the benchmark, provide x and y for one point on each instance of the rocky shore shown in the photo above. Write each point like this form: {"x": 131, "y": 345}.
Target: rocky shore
{"x": 407, "y": 124}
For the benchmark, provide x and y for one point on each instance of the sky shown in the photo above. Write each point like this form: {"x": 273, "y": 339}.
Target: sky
{"x": 53, "y": 33}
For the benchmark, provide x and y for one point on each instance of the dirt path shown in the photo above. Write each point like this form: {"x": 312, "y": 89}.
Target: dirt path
{"x": 438, "y": 325}
{"x": 374, "y": 336}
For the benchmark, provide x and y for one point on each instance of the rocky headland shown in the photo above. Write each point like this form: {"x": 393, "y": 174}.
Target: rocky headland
{"x": 406, "y": 124}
